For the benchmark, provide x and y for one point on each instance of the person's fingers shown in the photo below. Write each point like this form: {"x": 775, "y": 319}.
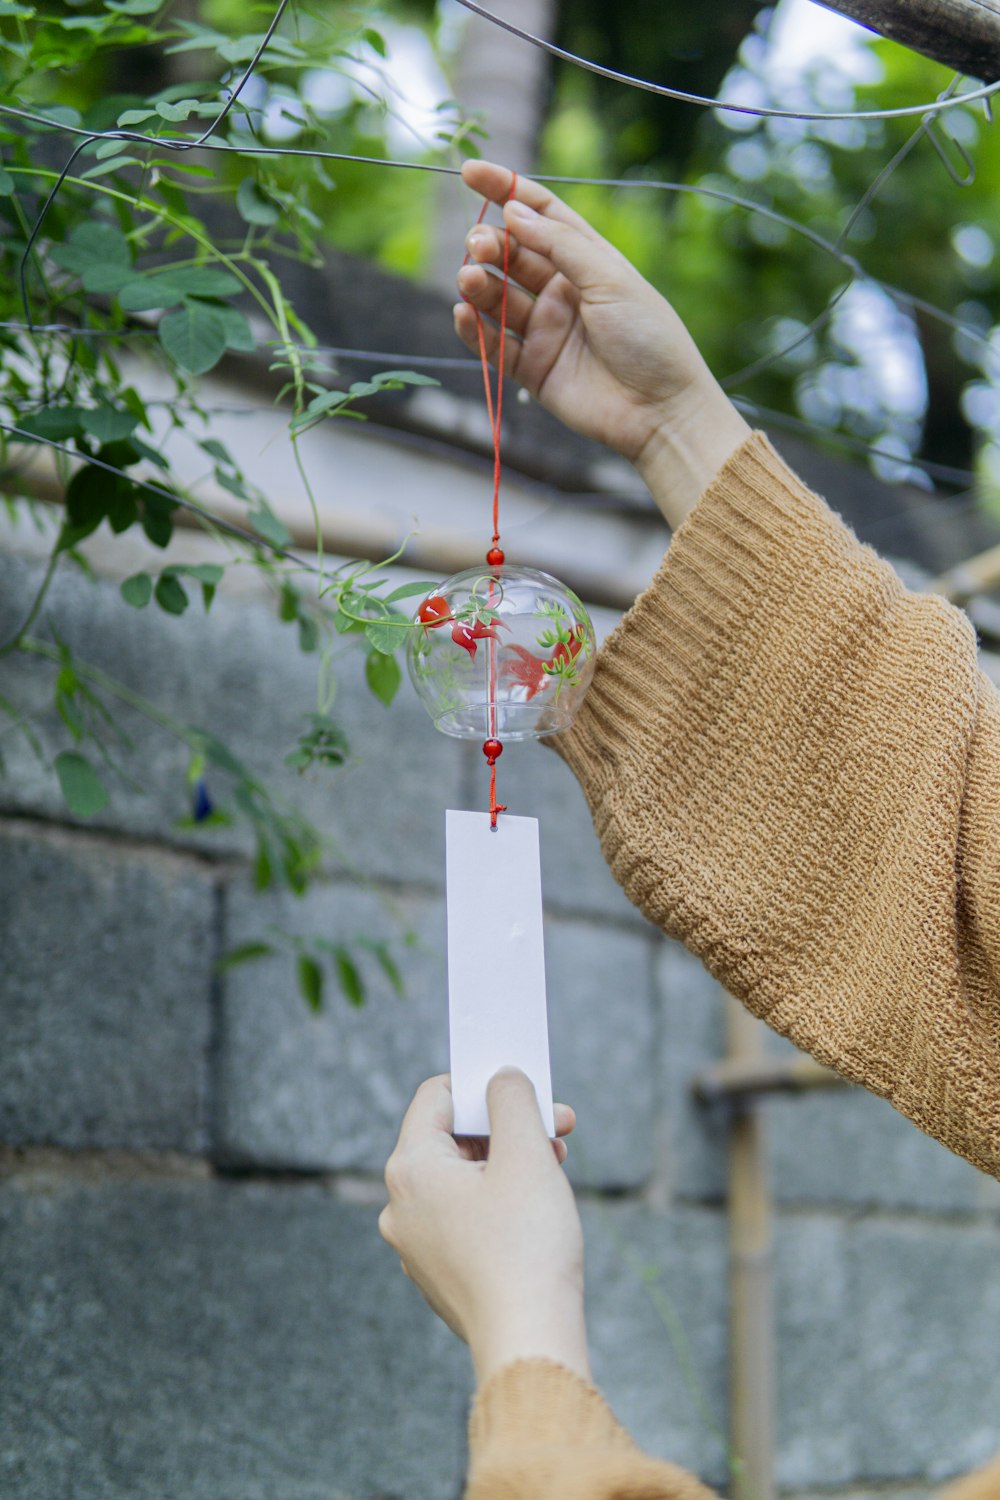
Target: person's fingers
{"x": 565, "y": 1119}
{"x": 494, "y": 182}
{"x": 517, "y": 1134}
{"x": 533, "y": 272}
{"x": 561, "y": 1151}
{"x": 485, "y": 291}
{"x": 465, "y": 326}
{"x": 431, "y": 1112}
{"x": 584, "y": 258}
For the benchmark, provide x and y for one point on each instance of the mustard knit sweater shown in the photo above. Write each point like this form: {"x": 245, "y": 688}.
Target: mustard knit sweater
{"x": 793, "y": 765}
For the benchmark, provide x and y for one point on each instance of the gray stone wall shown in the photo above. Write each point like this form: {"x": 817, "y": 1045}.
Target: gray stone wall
{"x": 194, "y": 1301}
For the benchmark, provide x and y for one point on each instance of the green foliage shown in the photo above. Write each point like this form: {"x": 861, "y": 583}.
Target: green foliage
{"x": 748, "y": 286}
{"x": 135, "y": 255}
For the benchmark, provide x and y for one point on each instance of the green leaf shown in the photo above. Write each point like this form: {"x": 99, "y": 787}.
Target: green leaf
{"x": 310, "y": 978}
{"x": 375, "y": 40}
{"x": 107, "y": 424}
{"x": 243, "y": 953}
{"x": 87, "y": 495}
{"x": 389, "y": 968}
{"x": 110, "y": 278}
{"x": 267, "y": 525}
{"x": 194, "y": 337}
{"x": 384, "y": 637}
{"x": 407, "y": 377}
{"x": 409, "y": 591}
{"x": 233, "y": 483}
{"x": 383, "y": 676}
{"x": 137, "y": 590}
{"x": 144, "y": 293}
{"x": 210, "y": 573}
{"x": 175, "y": 113}
{"x": 133, "y": 7}
{"x": 254, "y": 206}
{"x": 105, "y": 168}
{"x": 134, "y": 117}
{"x": 80, "y": 784}
{"x": 170, "y": 595}
{"x": 94, "y": 243}
{"x": 350, "y": 980}
{"x": 56, "y": 422}
{"x": 156, "y": 519}
{"x": 308, "y": 634}
{"x": 7, "y": 186}
{"x": 215, "y": 450}
{"x": 239, "y": 334}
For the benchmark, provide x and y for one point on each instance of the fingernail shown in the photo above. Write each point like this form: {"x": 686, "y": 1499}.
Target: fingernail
{"x": 518, "y": 210}
{"x": 476, "y": 239}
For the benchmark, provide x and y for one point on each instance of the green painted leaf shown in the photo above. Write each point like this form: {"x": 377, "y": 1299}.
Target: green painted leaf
{"x": 310, "y": 978}
{"x": 254, "y": 206}
{"x": 194, "y": 337}
{"x": 80, "y": 784}
{"x": 383, "y": 676}
{"x": 107, "y": 424}
{"x": 350, "y": 980}
{"x": 243, "y": 953}
{"x": 170, "y": 595}
{"x": 137, "y": 590}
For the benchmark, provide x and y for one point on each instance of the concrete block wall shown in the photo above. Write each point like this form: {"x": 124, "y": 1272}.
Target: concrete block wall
{"x": 194, "y": 1301}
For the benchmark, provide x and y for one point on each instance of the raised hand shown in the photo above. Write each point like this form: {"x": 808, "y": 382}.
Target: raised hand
{"x": 594, "y": 342}
{"x": 493, "y": 1240}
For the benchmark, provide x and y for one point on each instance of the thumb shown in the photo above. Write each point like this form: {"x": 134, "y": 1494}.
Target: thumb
{"x": 517, "y": 1135}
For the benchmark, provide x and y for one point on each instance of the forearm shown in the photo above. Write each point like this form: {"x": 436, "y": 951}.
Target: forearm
{"x": 698, "y": 434}
{"x": 787, "y": 756}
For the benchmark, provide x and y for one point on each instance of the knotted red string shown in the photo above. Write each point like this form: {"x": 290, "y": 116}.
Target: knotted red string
{"x": 492, "y": 749}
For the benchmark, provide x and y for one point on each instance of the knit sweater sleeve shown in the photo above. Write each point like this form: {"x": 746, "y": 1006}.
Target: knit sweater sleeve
{"x": 793, "y": 765}
{"x": 539, "y": 1432}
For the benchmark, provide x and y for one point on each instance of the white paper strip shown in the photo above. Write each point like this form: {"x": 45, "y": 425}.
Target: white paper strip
{"x": 496, "y": 962}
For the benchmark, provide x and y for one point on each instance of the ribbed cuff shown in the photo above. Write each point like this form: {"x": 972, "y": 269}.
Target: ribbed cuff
{"x": 529, "y": 1400}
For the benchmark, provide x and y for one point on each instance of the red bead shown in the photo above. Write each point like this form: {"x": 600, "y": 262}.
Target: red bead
{"x": 495, "y": 557}
{"x": 493, "y": 750}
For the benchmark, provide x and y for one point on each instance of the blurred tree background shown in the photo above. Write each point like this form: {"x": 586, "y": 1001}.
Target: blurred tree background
{"x": 887, "y": 378}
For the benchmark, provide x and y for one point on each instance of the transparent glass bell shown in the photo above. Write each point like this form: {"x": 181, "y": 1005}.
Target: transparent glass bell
{"x": 502, "y": 652}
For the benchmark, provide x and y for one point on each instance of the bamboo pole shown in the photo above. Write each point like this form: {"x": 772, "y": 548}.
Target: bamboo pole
{"x": 751, "y": 1314}
{"x": 961, "y": 34}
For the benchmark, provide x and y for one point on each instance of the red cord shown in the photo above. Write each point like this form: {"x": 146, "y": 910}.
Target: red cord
{"x": 495, "y": 412}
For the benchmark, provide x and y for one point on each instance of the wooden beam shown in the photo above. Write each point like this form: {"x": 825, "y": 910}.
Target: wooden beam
{"x": 961, "y": 34}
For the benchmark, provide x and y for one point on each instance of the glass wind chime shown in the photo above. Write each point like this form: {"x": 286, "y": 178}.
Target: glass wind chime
{"x": 498, "y": 653}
